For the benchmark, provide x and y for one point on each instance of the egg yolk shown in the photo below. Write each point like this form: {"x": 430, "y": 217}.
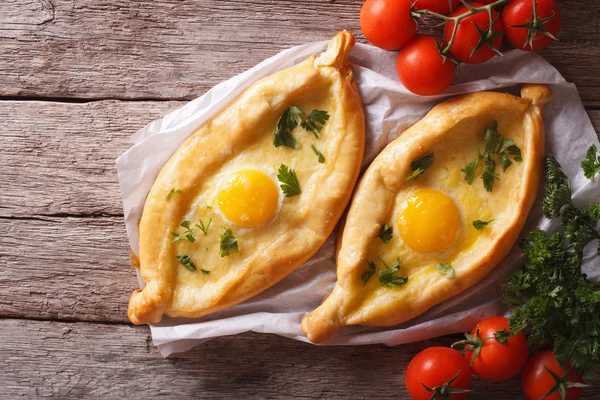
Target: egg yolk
{"x": 429, "y": 221}
{"x": 249, "y": 198}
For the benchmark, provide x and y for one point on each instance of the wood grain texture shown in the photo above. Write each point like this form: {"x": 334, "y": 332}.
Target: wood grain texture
{"x": 86, "y": 360}
{"x": 59, "y": 158}
{"x": 65, "y": 268}
{"x": 171, "y": 49}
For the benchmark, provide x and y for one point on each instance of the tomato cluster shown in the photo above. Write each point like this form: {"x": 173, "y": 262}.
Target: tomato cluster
{"x": 445, "y": 373}
{"x": 473, "y": 33}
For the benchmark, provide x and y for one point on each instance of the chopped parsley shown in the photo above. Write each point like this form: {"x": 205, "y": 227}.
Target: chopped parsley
{"x": 186, "y": 261}
{"x": 479, "y": 224}
{"x": 315, "y": 122}
{"x": 173, "y": 193}
{"x": 368, "y": 274}
{"x": 495, "y": 145}
{"x": 446, "y": 269}
{"x": 205, "y": 271}
{"x": 591, "y": 164}
{"x": 290, "y": 119}
{"x": 289, "y": 181}
{"x": 188, "y": 235}
{"x": 388, "y": 277}
{"x": 385, "y": 233}
{"x": 202, "y": 227}
{"x": 228, "y": 244}
{"x": 419, "y": 166}
{"x": 318, "y": 154}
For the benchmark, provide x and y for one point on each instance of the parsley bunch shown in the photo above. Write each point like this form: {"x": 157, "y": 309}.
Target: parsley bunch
{"x": 550, "y": 295}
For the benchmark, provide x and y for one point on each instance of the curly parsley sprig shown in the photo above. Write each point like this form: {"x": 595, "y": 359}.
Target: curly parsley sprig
{"x": 550, "y": 295}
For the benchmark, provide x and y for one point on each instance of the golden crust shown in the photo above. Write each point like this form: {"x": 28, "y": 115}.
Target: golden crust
{"x": 240, "y": 125}
{"x": 375, "y": 194}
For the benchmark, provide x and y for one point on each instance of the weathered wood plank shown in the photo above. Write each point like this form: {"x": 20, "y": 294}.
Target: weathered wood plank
{"x": 65, "y": 268}
{"x": 58, "y": 158}
{"x": 168, "y": 49}
{"x": 83, "y": 360}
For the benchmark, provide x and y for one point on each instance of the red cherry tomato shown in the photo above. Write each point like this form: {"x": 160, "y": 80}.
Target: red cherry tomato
{"x": 537, "y": 382}
{"x": 467, "y": 36}
{"x": 387, "y": 24}
{"x": 496, "y": 362}
{"x": 421, "y": 68}
{"x": 437, "y": 6}
{"x": 519, "y": 12}
{"x": 435, "y": 367}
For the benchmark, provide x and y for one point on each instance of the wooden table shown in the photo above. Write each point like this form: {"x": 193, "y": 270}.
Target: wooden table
{"x": 77, "y": 78}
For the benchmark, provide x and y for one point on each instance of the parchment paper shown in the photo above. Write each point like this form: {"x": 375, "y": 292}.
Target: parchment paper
{"x": 389, "y": 109}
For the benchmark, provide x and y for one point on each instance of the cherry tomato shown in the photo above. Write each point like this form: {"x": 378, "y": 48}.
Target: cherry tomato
{"x": 468, "y": 37}
{"x": 519, "y": 12}
{"x": 422, "y": 69}
{"x": 537, "y": 382}
{"x": 387, "y": 24}
{"x": 435, "y": 367}
{"x": 495, "y": 362}
{"x": 437, "y": 6}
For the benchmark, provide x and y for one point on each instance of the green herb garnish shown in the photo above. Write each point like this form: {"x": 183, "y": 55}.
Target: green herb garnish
{"x": 290, "y": 119}
{"x": 315, "y": 121}
{"x": 205, "y": 271}
{"x": 385, "y": 233}
{"x": 479, "y": 224}
{"x": 289, "y": 181}
{"x": 186, "y": 261}
{"x": 591, "y": 164}
{"x": 550, "y": 295}
{"x": 368, "y": 274}
{"x": 228, "y": 243}
{"x": 388, "y": 277}
{"x": 188, "y": 235}
{"x": 495, "y": 145}
{"x": 202, "y": 227}
{"x": 173, "y": 193}
{"x": 318, "y": 154}
{"x": 446, "y": 269}
{"x": 419, "y": 166}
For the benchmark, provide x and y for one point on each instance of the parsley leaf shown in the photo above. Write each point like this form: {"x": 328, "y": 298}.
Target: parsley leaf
{"x": 228, "y": 243}
{"x": 186, "y": 261}
{"x": 202, "y": 227}
{"x": 388, "y": 277}
{"x": 489, "y": 175}
{"x": 318, "y": 154}
{"x": 315, "y": 121}
{"x": 205, "y": 271}
{"x": 479, "y": 224}
{"x": 549, "y": 294}
{"x": 173, "y": 193}
{"x": 491, "y": 137}
{"x": 591, "y": 164}
{"x": 385, "y": 233}
{"x": 290, "y": 119}
{"x": 470, "y": 169}
{"x": 188, "y": 235}
{"x": 495, "y": 145}
{"x": 419, "y": 166}
{"x": 446, "y": 269}
{"x": 289, "y": 181}
{"x": 368, "y": 274}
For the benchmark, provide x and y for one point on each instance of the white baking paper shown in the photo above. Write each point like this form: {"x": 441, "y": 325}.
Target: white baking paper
{"x": 389, "y": 109}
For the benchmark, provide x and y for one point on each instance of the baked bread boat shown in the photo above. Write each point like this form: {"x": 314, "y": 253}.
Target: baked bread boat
{"x": 437, "y": 210}
{"x": 254, "y": 192}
